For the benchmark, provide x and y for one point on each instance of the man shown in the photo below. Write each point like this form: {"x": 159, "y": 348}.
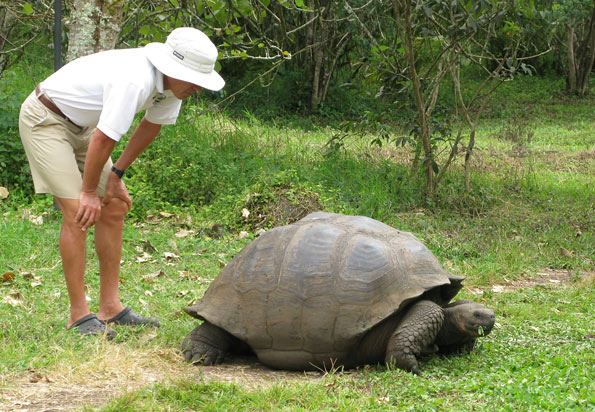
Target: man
{"x": 69, "y": 127}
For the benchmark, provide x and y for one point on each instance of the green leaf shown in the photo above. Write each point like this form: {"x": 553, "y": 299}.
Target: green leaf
{"x": 299, "y": 3}
{"x": 27, "y": 8}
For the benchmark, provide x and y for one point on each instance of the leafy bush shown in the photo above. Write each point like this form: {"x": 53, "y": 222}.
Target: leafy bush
{"x": 14, "y": 168}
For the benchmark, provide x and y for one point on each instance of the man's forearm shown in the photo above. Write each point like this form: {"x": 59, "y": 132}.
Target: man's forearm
{"x": 100, "y": 148}
{"x": 142, "y": 137}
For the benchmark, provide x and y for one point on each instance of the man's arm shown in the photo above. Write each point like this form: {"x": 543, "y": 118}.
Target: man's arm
{"x": 100, "y": 148}
{"x": 142, "y": 137}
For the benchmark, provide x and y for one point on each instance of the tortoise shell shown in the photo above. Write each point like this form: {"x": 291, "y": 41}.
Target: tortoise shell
{"x": 307, "y": 292}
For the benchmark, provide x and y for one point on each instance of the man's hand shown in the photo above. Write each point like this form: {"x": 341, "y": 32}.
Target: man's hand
{"x": 116, "y": 188}
{"x": 89, "y": 210}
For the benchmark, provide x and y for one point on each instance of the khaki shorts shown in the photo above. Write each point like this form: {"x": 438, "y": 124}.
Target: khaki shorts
{"x": 56, "y": 149}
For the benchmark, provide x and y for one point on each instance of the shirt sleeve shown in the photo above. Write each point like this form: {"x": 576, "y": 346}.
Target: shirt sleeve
{"x": 165, "y": 111}
{"x": 120, "y": 103}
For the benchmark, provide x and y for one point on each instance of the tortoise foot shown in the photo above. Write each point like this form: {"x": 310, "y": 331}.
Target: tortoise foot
{"x": 206, "y": 344}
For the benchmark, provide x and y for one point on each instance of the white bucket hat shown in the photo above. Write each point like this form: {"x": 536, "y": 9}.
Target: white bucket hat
{"x": 187, "y": 55}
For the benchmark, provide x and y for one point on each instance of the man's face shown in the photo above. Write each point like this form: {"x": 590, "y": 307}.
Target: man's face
{"x": 179, "y": 88}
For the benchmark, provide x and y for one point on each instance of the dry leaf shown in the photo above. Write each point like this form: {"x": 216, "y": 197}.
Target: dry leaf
{"x": 3, "y": 192}
{"x": 182, "y": 233}
{"x": 36, "y": 220}
{"x": 35, "y": 284}
{"x": 148, "y": 293}
{"x": 148, "y": 246}
{"x": 170, "y": 256}
{"x": 28, "y": 275}
{"x": 151, "y": 276}
{"x": 384, "y": 399}
{"x": 16, "y": 295}
{"x": 8, "y": 277}
{"x": 188, "y": 275}
{"x": 565, "y": 252}
{"x": 245, "y": 213}
{"x": 167, "y": 214}
{"x": 11, "y": 301}
{"x": 243, "y": 234}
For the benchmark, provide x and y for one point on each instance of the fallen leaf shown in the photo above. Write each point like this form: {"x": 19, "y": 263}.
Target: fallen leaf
{"x": 28, "y": 275}
{"x": 16, "y": 295}
{"x": 243, "y": 234}
{"x": 3, "y": 192}
{"x": 8, "y": 277}
{"x": 11, "y": 301}
{"x": 590, "y": 337}
{"x": 167, "y": 214}
{"x": 151, "y": 276}
{"x": 182, "y": 233}
{"x": 36, "y": 220}
{"x": 148, "y": 293}
{"x": 148, "y": 246}
{"x": 170, "y": 256}
{"x": 245, "y": 213}
{"x": 188, "y": 275}
{"x": 384, "y": 399}
{"x": 35, "y": 284}
{"x": 565, "y": 252}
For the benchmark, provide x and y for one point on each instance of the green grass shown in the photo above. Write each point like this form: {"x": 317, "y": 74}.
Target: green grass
{"x": 531, "y": 208}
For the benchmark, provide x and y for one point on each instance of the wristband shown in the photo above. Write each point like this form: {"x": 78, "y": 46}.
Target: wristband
{"x": 118, "y": 172}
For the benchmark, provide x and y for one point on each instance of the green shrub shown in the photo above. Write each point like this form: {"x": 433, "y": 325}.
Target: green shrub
{"x": 14, "y": 168}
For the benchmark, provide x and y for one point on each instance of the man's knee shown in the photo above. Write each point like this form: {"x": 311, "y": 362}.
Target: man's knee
{"x": 115, "y": 210}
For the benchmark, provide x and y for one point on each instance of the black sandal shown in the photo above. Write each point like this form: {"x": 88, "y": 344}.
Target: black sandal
{"x": 91, "y": 326}
{"x": 129, "y": 317}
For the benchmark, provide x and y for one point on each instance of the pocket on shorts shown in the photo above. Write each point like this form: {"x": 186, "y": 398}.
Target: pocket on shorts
{"x": 33, "y": 113}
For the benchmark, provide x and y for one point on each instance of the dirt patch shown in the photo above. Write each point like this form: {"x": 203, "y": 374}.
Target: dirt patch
{"x": 119, "y": 371}
{"x": 547, "y": 277}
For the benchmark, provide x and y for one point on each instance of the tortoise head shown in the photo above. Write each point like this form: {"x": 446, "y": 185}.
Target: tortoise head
{"x": 464, "y": 321}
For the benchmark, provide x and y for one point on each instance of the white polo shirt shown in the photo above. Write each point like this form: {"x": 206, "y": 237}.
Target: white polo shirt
{"x": 106, "y": 89}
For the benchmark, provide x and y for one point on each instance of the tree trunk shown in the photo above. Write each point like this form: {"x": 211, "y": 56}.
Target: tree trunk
{"x": 587, "y": 57}
{"x": 581, "y": 56}
{"x": 407, "y": 40}
{"x": 95, "y": 25}
{"x": 571, "y": 58}
{"x": 6, "y": 25}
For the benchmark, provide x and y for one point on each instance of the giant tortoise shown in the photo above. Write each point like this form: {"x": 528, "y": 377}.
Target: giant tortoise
{"x": 333, "y": 290}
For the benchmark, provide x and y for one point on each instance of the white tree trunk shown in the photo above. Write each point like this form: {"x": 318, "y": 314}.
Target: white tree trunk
{"x": 95, "y": 25}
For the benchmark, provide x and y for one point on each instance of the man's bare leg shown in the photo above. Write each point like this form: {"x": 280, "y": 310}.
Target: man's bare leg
{"x": 108, "y": 244}
{"x": 73, "y": 251}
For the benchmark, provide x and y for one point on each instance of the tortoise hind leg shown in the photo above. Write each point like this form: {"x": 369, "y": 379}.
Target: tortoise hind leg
{"x": 208, "y": 344}
{"x": 415, "y": 335}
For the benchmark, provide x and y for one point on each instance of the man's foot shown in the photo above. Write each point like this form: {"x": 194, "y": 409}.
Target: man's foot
{"x": 91, "y": 326}
{"x": 131, "y": 318}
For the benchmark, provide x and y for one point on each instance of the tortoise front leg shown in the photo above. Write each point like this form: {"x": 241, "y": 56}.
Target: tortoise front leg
{"x": 414, "y": 335}
{"x": 208, "y": 344}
